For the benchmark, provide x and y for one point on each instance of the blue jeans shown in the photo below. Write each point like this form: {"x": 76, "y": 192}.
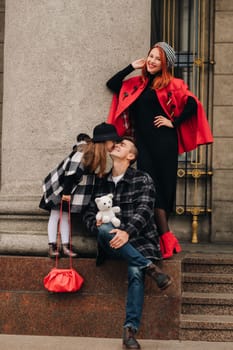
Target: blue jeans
{"x": 136, "y": 274}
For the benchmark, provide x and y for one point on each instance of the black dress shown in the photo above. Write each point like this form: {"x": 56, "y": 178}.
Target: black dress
{"x": 157, "y": 147}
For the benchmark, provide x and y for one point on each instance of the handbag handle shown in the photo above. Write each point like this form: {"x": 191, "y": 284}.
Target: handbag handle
{"x": 59, "y": 231}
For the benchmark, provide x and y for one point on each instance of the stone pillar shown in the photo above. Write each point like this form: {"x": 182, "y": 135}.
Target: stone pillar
{"x": 58, "y": 55}
{"x": 222, "y": 218}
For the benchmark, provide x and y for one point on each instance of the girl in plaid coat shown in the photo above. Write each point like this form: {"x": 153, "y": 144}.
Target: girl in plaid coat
{"x": 73, "y": 180}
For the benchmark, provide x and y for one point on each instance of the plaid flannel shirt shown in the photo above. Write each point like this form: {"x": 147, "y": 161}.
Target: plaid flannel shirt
{"x": 135, "y": 195}
{"x": 53, "y": 184}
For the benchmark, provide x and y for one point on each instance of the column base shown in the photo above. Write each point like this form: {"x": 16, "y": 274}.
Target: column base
{"x": 23, "y": 229}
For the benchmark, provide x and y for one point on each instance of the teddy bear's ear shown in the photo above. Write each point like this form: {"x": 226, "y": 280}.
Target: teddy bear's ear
{"x": 97, "y": 200}
{"x": 110, "y": 195}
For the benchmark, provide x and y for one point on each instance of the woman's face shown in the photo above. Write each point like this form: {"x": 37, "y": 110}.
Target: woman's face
{"x": 109, "y": 145}
{"x": 153, "y": 61}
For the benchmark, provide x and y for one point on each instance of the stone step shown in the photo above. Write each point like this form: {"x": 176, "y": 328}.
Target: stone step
{"x": 97, "y": 310}
{"x": 217, "y": 263}
{"x": 207, "y": 282}
{"x": 207, "y": 299}
{"x": 207, "y": 303}
{"x": 206, "y": 327}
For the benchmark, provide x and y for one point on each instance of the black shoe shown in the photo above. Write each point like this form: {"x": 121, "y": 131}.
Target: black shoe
{"x": 163, "y": 281}
{"x": 129, "y": 341}
{"x": 53, "y": 251}
{"x": 67, "y": 250}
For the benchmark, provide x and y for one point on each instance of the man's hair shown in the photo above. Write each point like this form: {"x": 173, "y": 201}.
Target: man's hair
{"x": 133, "y": 149}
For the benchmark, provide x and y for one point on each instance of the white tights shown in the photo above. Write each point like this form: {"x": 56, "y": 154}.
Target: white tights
{"x": 53, "y": 226}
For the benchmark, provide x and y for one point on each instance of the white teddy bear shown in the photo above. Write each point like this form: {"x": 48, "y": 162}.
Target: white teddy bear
{"x": 106, "y": 211}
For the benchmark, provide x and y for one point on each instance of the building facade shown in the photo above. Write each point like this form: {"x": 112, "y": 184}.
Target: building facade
{"x": 56, "y": 57}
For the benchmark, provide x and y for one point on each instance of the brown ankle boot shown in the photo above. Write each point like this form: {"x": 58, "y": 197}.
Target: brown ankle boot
{"x": 53, "y": 252}
{"x": 67, "y": 250}
{"x": 129, "y": 341}
{"x": 163, "y": 281}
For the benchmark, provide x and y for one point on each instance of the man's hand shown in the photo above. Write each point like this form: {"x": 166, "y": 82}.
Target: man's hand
{"x": 121, "y": 237}
{"x": 138, "y": 63}
{"x": 99, "y": 222}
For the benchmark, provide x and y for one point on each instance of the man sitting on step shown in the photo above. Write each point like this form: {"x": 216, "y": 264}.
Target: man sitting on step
{"x": 136, "y": 240}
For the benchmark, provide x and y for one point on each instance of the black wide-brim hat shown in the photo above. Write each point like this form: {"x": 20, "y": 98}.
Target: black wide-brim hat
{"x": 105, "y": 132}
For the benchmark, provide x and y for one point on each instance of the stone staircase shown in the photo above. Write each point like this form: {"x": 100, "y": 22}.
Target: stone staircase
{"x": 207, "y": 298}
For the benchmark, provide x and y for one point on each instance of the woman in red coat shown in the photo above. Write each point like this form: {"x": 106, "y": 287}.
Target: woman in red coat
{"x": 166, "y": 119}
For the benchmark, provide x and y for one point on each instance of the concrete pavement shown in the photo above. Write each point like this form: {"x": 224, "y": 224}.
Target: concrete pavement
{"x": 28, "y": 342}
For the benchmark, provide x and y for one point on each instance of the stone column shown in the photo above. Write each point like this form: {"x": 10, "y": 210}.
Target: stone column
{"x": 222, "y": 218}
{"x": 58, "y": 55}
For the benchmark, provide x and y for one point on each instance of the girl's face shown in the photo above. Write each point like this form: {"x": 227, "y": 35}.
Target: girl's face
{"x": 153, "y": 61}
{"x": 109, "y": 145}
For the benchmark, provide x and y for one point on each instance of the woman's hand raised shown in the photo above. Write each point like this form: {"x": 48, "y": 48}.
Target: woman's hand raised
{"x": 138, "y": 63}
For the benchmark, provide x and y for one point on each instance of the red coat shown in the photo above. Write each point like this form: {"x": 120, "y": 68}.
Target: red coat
{"x": 191, "y": 133}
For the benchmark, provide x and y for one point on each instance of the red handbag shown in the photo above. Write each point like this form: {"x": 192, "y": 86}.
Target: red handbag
{"x": 63, "y": 280}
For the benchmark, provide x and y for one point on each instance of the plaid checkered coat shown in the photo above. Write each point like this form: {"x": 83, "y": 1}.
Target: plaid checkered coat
{"x": 135, "y": 195}
{"x": 53, "y": 184}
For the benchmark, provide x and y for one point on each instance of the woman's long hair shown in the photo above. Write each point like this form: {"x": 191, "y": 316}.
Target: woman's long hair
{"x": 163, "y": 78}
{"x": 94, "y": 158}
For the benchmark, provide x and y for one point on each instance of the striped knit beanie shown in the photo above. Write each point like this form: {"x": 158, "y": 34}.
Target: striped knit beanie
{"x": 169, "y": 52}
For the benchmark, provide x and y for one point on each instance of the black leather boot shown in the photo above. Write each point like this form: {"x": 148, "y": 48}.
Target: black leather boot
{"x": 129, "y": 341}
{"x": 163, "y": 281}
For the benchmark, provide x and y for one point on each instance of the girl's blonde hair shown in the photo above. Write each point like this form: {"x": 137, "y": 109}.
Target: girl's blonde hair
{"x": 95, "y": 158}
{"x": 163, "y": 79}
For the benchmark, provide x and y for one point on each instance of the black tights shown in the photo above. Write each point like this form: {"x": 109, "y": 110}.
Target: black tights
{"x": 161, "y": 219}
